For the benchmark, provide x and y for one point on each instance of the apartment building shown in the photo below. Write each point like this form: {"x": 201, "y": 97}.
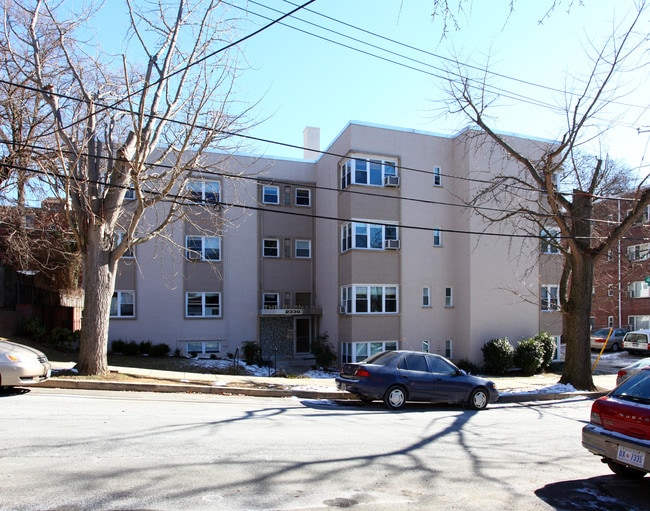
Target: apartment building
{"x": 621, "y": 296}
{"x": 369, "y": 242}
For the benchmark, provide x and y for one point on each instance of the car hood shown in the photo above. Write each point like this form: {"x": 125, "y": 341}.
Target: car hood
{"x": 19, "y": 349}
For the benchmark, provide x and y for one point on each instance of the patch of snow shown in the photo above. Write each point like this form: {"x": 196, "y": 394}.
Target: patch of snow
{"x": 552, "y": 389}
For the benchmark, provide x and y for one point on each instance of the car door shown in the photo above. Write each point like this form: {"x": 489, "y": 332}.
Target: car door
{"x": 448, "y": 385}
{"x": 415, "y": 374}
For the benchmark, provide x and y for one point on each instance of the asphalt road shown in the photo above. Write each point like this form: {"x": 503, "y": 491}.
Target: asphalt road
{"x": 91, "y": 450}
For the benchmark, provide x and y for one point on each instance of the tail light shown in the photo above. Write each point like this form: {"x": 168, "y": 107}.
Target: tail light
{"x": 621, "y": 374}
{"x": 361, "y": 372}
{"x": 595, "y": 414}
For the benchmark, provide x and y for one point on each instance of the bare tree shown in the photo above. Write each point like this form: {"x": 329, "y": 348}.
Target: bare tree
{"x": 123, "y": 127}
{"x": 534, "y": 199}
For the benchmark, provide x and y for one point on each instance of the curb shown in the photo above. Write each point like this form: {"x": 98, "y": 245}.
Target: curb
{"x": 256, "y": 392}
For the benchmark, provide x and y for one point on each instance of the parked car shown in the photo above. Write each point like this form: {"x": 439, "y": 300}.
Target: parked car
{"x": 21, "y": 365}
{"x": 632, "y": 369}
{"x": 615, "y": 341}
{"x": 396, "y": 377}
{"x": 637, "y": 341}
{"x": 619, "y": 427}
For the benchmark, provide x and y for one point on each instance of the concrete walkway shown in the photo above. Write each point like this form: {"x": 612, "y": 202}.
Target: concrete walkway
{"x": 511, "y": 388}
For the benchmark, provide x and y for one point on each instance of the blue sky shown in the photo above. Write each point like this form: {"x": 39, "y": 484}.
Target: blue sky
{"x": 304, "y": 80}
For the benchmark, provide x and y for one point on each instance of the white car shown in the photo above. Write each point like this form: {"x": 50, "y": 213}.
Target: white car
{"x": 637, "y": 341}
{"x": 21, "y": 365}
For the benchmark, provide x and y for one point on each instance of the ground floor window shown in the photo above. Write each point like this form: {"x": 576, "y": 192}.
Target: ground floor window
{"x": 123, "y": 304}
{"x": 202, "y": 347}
{"x": 358, "y": 351}
{"x": 638, "y": 322}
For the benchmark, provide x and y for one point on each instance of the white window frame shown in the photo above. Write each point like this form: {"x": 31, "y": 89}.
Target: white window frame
{"x": 549, "y": 298}
{"x": 201, "y": 252}
{"x": 426, "y": 296}
{"x": 437, "y": 237}
{"x": 267, "y": 248}
{"x": 205, "y": 308}
{"x": 354, "y": 295}
{"x": 549, "y": 243}
{"x": 270, "y": 191}
{"x": 437, "y": 176}
{"x": 352, "y": 352}
{"x": 353, "y": 232}
{"x": 638, "y": 289}
{"x": 449, "y": 348}
{"x": 270, "y": 301}
{"x": 375, "y": 170}
{"x": 204, "y": 191}
{"x": 302, "y": 201}
{"x": 306, "y": 247}
{"x": 119, "y": 302}
{"x": 639, "y": 252}
{"x": 130, "y": 251}
{"x": 204, "y": 347}
{"x": 449, "y": 297}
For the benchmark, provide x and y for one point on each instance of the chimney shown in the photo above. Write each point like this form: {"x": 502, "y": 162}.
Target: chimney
{"x": 311, "y": 143}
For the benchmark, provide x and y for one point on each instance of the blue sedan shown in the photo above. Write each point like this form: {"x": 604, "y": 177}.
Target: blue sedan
{"x": 396, "y": 377}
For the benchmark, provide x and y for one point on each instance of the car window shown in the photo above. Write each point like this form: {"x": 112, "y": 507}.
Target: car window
{"x": 439, "y": 365}
{"x": 415, "y": 362}
{"x": 635, "y": 388}
{"x": 635, "y": 337}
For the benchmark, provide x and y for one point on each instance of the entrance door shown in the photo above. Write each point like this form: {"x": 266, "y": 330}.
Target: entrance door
{"x": 303, "y": 335}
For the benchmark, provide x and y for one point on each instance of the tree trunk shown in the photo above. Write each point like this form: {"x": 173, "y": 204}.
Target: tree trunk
{"x": 577, "y": 315}
{"x": 99, "y": 284}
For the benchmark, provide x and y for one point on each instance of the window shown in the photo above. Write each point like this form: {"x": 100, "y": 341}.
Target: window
{"x": 357, "y": 351}
{"x": 287, "y": 196}
{"x": 270, "y": 194}
{"x": 202, "y": 347}
{"x": 357, "y": 299}
{"x": 271, "y": 248}
{"x": 202, "y": 305}
{"x": 271, "y": 301}
{"x": 426, "y": 297}
{"x": 130, "y": 194}
{"x": 549, "y": 239}
{"x": 449, "y": 297}
{"x": 303, "y": 197}
{"x": 437, "y": 237}
{"x": 549, "y": 297}
{"x": 638, "y": 322}
{"x": 359, "y": 171}
{"x": 610, "y": 289}
{"x": 204, "y": 191}
{"x": 638, "y": 252}
{"x": 123, "y": 304}
{"x": 205, "y": 248}
{"x": 449, "y": 348}
{"x": 437, "y": 176}
{"x": 303, "y": 249}
{"x": 639, "y": 289}
{"x": 368, "y": 236}
{"x": 610, "y": 321}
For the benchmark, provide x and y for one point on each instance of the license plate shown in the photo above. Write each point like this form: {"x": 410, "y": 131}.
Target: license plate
{"x": 631, "y": 457}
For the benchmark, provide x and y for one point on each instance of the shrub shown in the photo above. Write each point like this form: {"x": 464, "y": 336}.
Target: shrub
{"x": 61, "y": 339}
{"x": 251, "y": 352}
{"x": 131, "y": 348}
{"x": 497, "y": 355}
{"x": 160, "y": 350}
{"x": 529, "y": 356}
{"x": 144, "y": 348}
{"x": 118, "y": 346}
{"x": 468, "y": 366}
{"x": 34, "y": 328}
{"x": 323, "y": 351}
{"x": 548, "y": 345}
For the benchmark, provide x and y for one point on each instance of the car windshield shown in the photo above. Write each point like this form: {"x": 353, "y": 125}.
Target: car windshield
{"x": 636, "y": 388}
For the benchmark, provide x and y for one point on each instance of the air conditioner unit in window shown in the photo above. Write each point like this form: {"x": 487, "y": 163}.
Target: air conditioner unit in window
{"x": 391, "y": 244}
{"x": 342, "y": 309}
{"x": 391, "y": 181}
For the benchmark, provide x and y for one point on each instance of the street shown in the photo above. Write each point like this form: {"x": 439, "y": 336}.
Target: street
{"x": 94, "y": 450}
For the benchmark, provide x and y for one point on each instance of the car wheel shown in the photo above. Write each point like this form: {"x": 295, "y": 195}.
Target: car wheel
{"x": 625, "y": 472}
{"x": 614, "y": 347}
{"x": 395, "y": 397}
{"x": 479, "y": 399}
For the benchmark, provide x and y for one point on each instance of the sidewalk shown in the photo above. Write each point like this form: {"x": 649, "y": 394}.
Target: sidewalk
{"x": 511, "y": 388}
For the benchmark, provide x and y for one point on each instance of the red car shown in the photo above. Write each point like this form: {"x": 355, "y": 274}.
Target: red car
{"x": 619, "y": 427}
